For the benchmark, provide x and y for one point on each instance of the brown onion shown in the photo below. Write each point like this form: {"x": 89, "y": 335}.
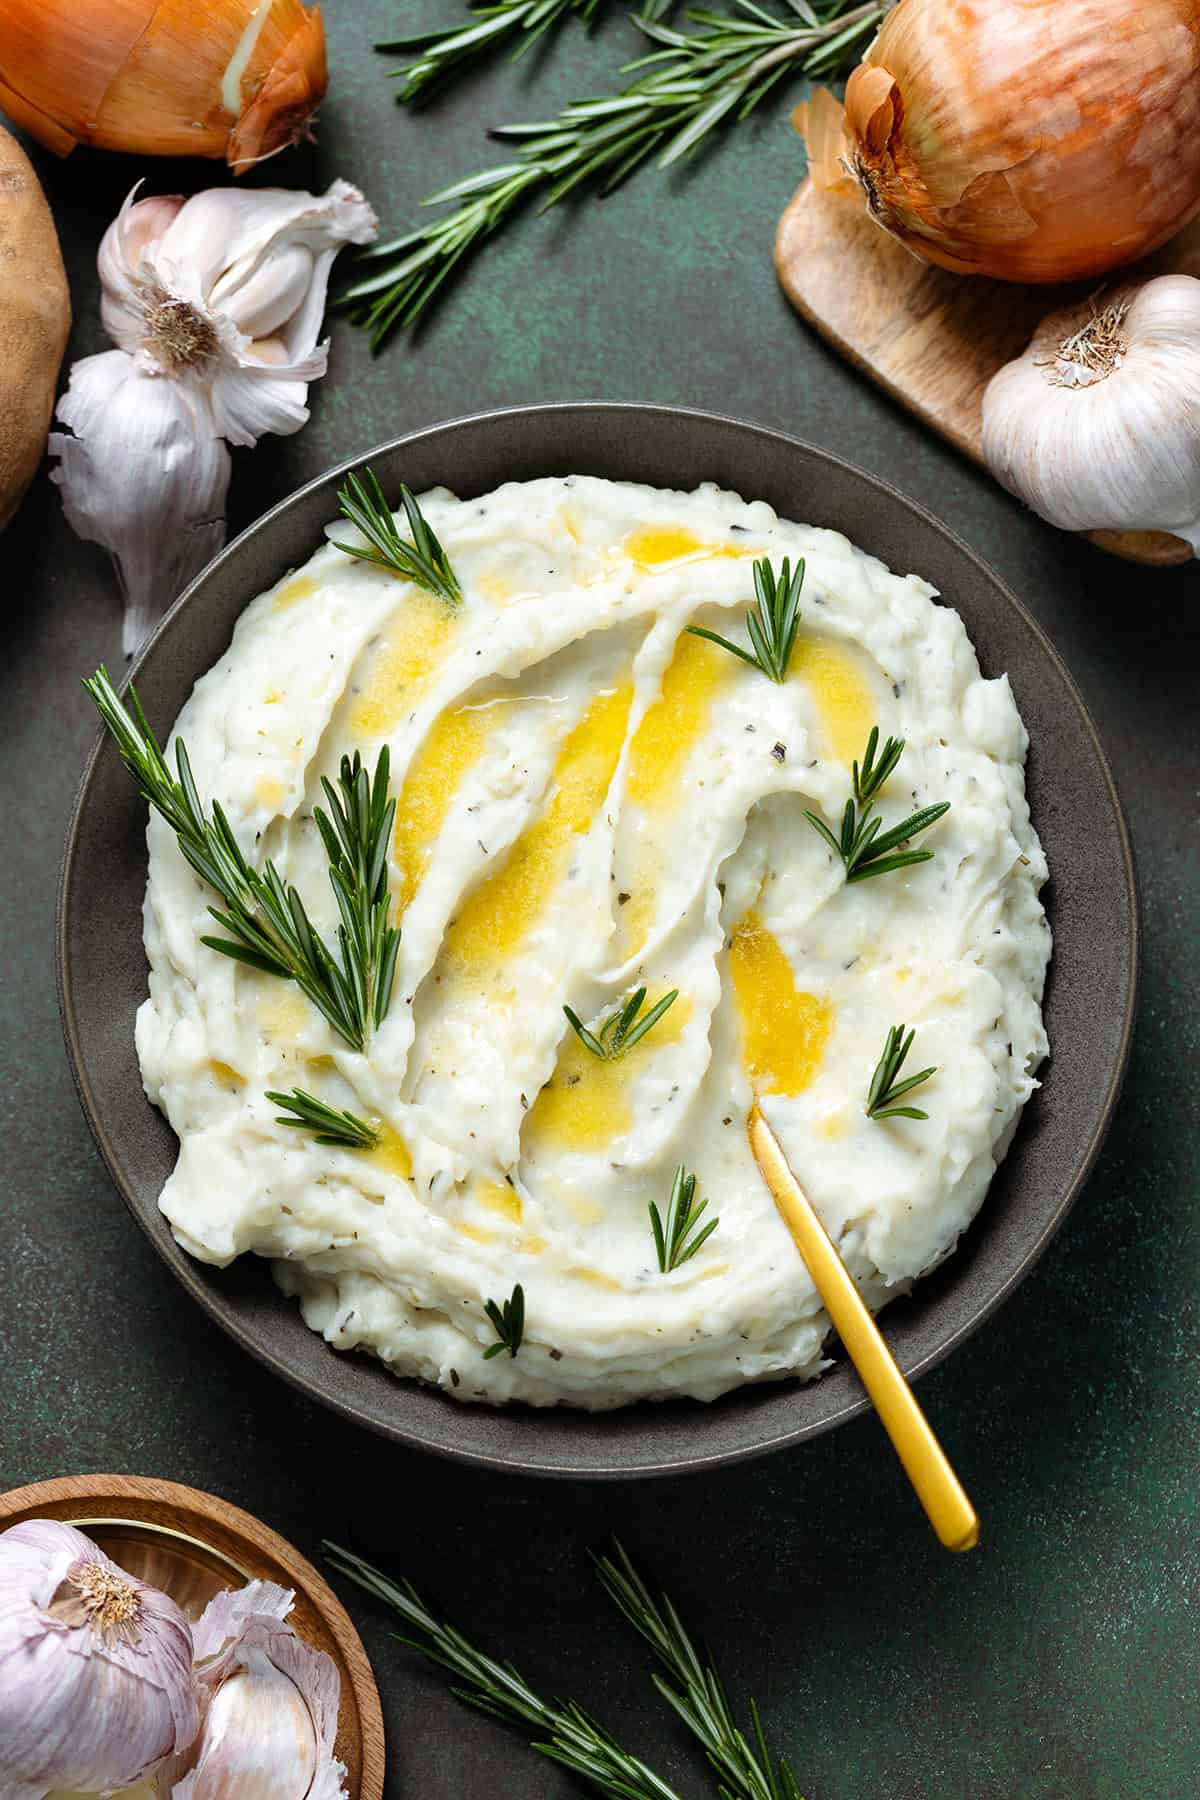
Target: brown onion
{"x": 1032, "y": 140}
{"x": 231, "y": 78}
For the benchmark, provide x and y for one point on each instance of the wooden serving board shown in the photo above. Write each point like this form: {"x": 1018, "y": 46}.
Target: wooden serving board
{"x": 931, "y": 339}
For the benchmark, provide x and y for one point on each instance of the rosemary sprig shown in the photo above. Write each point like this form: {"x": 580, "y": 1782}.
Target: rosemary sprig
{"x": 331, "y": 1127}
{"x": 772, "y": 622}
{"x": 356, "y": 843}
{"x": 617, "y": 1034}
{"x": 885, "y": 1090}
{"x": 509, "y": 1323}
{"x": 683, "y": 90}
{"x": 442, "y": 54}
{"x": 696, "y": 1692}
{"x": 672, "y": 1238}
{"x": 422, "y": 561}
{"x": 859, "y": 843}
{"x": 266, "y": 917}
{"x": 566, "y": 1733}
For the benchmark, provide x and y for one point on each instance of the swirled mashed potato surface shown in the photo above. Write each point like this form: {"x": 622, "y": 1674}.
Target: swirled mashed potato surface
{"x": 590, "y": 799}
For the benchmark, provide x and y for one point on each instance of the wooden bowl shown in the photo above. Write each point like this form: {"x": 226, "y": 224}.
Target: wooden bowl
{"x": 192, "y": 1545}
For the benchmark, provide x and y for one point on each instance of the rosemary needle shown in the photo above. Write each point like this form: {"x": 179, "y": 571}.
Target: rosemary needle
{"x": 267, "y": 921}
{"x": 330, "y": 1126}
{"x": 683, "y": 89}
{"x": 771, "y": 623}
{"x": 508, "y": 1322}
{"x": 674, "y": 1241}
{"x": 863, "y": 850}
{"x": 442, "y": 54}
{"x": 422, "y": 561}
{"x": 616, "y": 1034}
{"x": 885, "y": 1089}
{"x": 696, "y": 1692}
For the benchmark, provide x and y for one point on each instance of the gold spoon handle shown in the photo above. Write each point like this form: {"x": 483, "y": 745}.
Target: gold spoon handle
{"x": 937, "y": 1486}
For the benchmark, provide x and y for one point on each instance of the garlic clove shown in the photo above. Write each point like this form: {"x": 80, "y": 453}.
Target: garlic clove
{"x": 274, "y": 291}
{"x": 259, "y": 1741}
{"x": 143, "y": 474}
{"x": 271, "y": 1715}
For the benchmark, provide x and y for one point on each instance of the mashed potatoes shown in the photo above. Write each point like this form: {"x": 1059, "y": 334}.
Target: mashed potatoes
{"x": 591, "y": 800}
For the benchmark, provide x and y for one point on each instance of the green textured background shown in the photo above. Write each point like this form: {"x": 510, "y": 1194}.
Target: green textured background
{"x": 1059, "y": 1659}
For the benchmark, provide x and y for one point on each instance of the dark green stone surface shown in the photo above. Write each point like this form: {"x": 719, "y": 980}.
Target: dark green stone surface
{"x": 1059, "y": 1660}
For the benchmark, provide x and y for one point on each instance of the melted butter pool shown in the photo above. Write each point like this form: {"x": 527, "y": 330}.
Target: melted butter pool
{"x": 841, "y": 692}
{"x": 784, "y": 1030}
{"x": 654, "y": 546}
{"x": 413, "y": 644}
{"x": 453, "y": 745}
{"x": 587, "y": 1103}
{"x": 498, "y": 915}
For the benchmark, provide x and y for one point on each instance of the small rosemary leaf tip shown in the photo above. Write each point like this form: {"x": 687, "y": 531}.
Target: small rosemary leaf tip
{"x": 422, "y": 561}
{"x": 865, "y": 848}
{"x": 306, "y": 1113}
{"x": 623, "y": 1028}
{"x": 773, "y": 621}
{"x": 508, "y": 1322}
{"x": 886, "y": 1089}
{"x": 677, "y": 1237}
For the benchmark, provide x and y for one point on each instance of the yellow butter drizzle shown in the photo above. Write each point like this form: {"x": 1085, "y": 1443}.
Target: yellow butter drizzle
{"x": 784, "y": 1030}
{"x": 654, "y": 546}
{"x": 413, "y": 645}
{"x": 841, "y": 693}
{"x": 268, "y": 792}
{"x": 671, "y": 727}
{"x": 391, "y": 1154}
{"x": 496, "y": 917}
{"x": 498, "y": 1197}
{"x": 297, "y": 589}
{"x": 453, "y": 745}
{"x": 674, "y": 722}
{"x": 586, "y": 1104}
{"x": 283, "y": 1012}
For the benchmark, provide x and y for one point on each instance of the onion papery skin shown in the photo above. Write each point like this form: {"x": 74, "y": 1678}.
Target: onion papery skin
{"x": 150, "y": 76}
{"x": 1030, "y": 140}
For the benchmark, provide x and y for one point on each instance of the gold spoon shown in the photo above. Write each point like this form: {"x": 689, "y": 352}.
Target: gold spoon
{"x": 937, "y": 1486}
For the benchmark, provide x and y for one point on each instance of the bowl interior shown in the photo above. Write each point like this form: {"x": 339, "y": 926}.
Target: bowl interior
{"x": 1091, "y": 900}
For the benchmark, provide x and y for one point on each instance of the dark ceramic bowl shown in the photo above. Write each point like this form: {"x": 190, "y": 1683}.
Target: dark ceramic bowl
{"x": 1092, "y": 901}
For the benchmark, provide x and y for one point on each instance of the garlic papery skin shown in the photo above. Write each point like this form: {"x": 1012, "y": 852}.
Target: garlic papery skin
{"x": 1097, "y": 425}
{"x": 96, "y": 1682}
{"x": 215, "y": 304}
{"x": 270, "y": 1707}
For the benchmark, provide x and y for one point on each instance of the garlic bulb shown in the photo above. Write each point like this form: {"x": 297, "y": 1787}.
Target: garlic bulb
{"x": 96, "y": 1684}
{"x": 215, "y": 304}
{"x": 270, "y": 1707}
{"x": 1031, "y": 140}
{"x": 1097, "y": 425}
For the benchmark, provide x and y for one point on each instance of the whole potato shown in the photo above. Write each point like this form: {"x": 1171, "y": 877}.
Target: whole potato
{"x": 35, "y": 316}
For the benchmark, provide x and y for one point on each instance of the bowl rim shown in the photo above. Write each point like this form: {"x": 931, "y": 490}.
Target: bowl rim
{"x": 697, "y": 1459}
